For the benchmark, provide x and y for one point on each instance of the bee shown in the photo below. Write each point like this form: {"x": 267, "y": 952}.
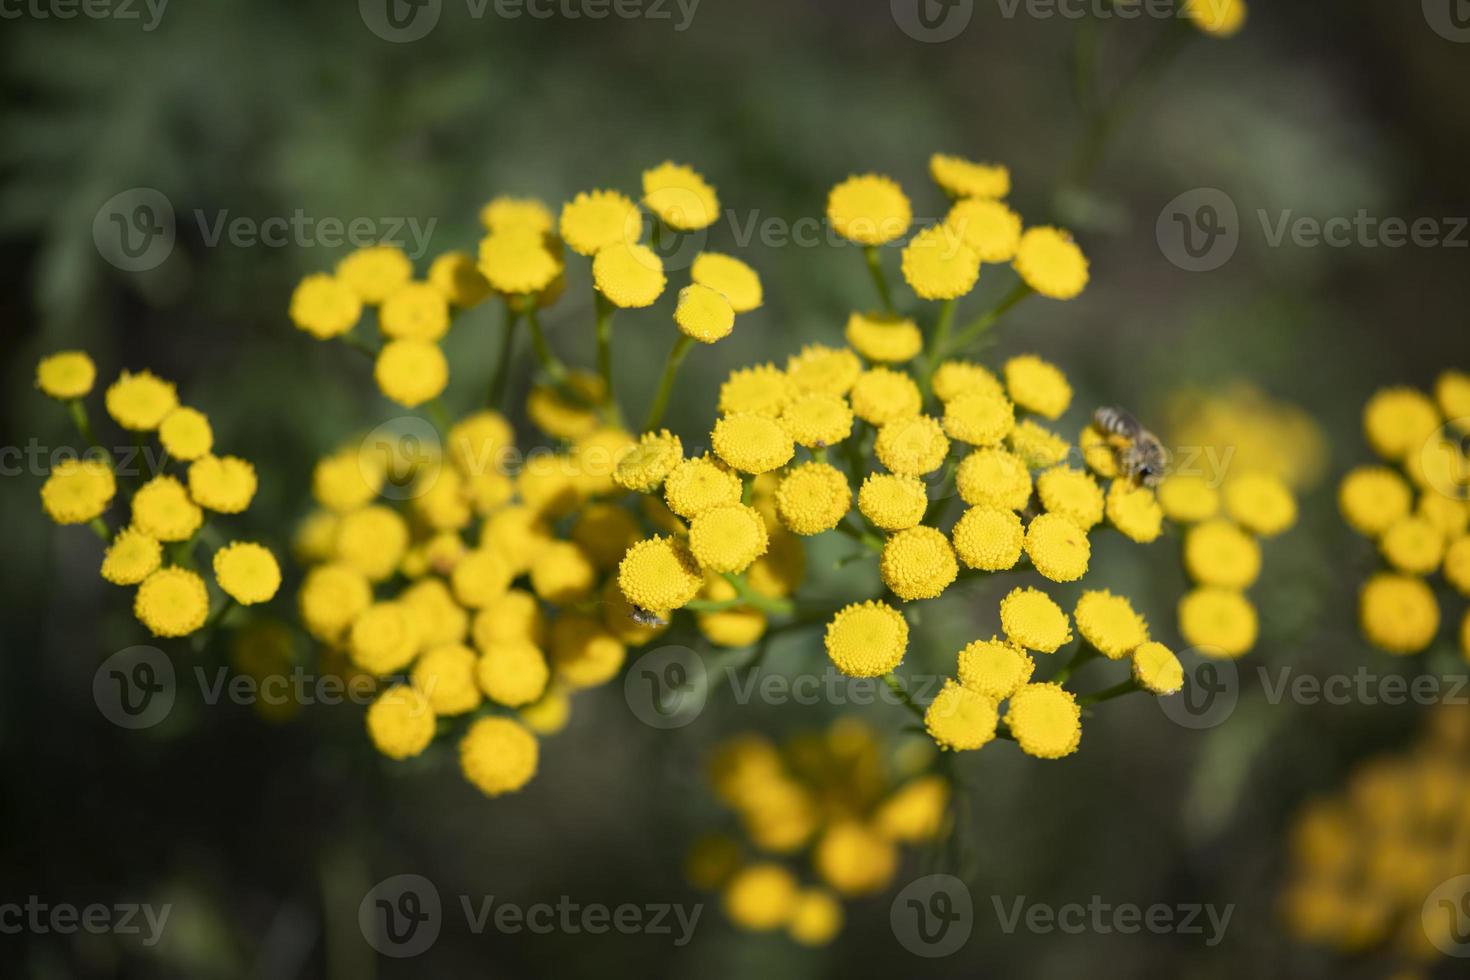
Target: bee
{"x": 1144, "y": 458}
{"x": 644, "y": 617}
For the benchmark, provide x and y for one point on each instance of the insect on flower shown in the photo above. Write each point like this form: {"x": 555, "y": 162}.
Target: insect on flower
{"x": 1144, "y": 457}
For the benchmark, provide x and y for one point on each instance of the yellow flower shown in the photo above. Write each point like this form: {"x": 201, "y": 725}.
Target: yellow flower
{"x": 66, "y": 374}
{"x": 659, "y": 574}
{"x": 1260, "y": 502}
{"x": 816, "y": 919}
{"x": 1100, "y": 454}
{"x": 1072, "y": 494}
{"x": 1449, "y": 515}
{"x": 1373, "y": 498}
{"x": 459, "y": 280}
{"x": 401, "y": 722}
{"x": 445, "y": 675}
{"x": 959, "y": 177}
{"x": 1037, "y": 386}
{"x": 918, "y": 563}
{"x": 567, "y": 416}
{"x": 1190, "y": 499}
{"x": 549, "y": 715}
{"x": 519, "y": 261}
{"x": 346, "y": 480}
{"x": 867, "y": 639}
{"x": 980, "y": 418}
{"x": 1413, "y": 545}
{"x": 883, "y": 338}
{"x": 989, "y": 227}
{"x": 995, "y": 668}
{"x": 78, "y": 490}
{"x": 1221, "y": 18}
{"x": 711, "y": 861}
{"x": 1457, "y": 565}
{"x": 993, "y": 478}
{"x": 1058, "y": 548}
{"x": 760, "y": 390}
{"x": 869, "y": 209}
{"x": 960, "y": 718}
{"x": 816, "y": 421}
{"x": 812, "y": 498}
{"x": 247, "y": 572}
{"x": 593, "y": 220}
{"x": 1051, "y": 263}
{"x": 1032, "y": 620}
{"x": 631, "y": 276}
{"x": 515, "y": 534}
{"x": 511, "y": 617}
{"x": 704, "y": 314}
{"x": 695, "y": 485}
{"x": 563, "y": 574}
{"x": 645, "y": 466}
{"x": 680, "y": 197}
{"x": 384, "y": 639}
{"x": 498, "y": 755}
{"x": 224, "y": 484}
{"x": 730, "y": 277}
{"x": 1109, "y": 623}
{"x": 583, "y": 652}
{"x": 512, "y": 673}
{"x": 1156, "y": 669}
{"x": 374, "y": 272}
{"x": 172, "y": 602}
{"x": 727, "y": 538}
{"x": 511, "y": 214}
{"x": 440, "y": 619}
{"x": 892, "y": 502}
{"x": 880, "y": 396}
{"x": 1398, "y": 613}
{"x": 751, "y": 443}
{"x": 162, "y": 509}
{"x": 325, "y": 306}
{"x": 131, "y": 557}
{"x": 331, "y": 597}
{"x": 912, "y": 446}
{"x": 1135, "y": 512}
{"x": 823, "y": 370}
{"x": 736, "y": 627}
{"x": 853, "y": 859}
{"x": 761, "y": 897}
{"x": 481, "y": 577}
{"x": 1452, "y": 391}
{"x": 1218, "y": 552}
{"x": 1046, "y": 720}
{"x": 915, "y": 812}
{"x": 988, "y": 539}
{"x": 605, "y": 532}
{"x": 939, "y": 264}
{"x": 1221, "y": 621}
{"x": 1037, "y": 446}
{"x": 411, "y": 372}
{"x": 185, "y": 434}
{"x": 1399, "y": 421}
{"x": 139, "y": 402}
{"x": 955, "y": 378}
{"x": 415, "y": 311}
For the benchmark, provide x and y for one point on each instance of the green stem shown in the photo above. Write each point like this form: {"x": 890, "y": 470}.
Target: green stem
{"x": 500, "y": 382}
{"x": 666, "y": 383}
{"x": 896, "y": 686}
{"x": 1107, "y": 694}
{"x": 973, "y": 331}
{"x": 99, "y": 528}
{"x": 604, "y": 359}
{"x": 554, "y": 368}
{"x": 940, "y": 340}
{"x": 746, "y": 596}
{"x": 875, "y": 269}
{"x": 360, "y": 345}
{"x": 84, "y": 425}
{"x": 1085, "y": 654}
{"x": 215, "y": 617}
{"x": 871, "y": 542}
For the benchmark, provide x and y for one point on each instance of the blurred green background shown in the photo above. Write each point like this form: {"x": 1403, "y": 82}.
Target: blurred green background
{"x": 265, "y": 836}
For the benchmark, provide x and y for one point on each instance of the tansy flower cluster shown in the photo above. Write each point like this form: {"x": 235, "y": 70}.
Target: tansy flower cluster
{"x": 822, "y": 818}
{"x": 1414, "y": 505}
{"x": 1366, "y": 863}
{"x": 153, "y": 536}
